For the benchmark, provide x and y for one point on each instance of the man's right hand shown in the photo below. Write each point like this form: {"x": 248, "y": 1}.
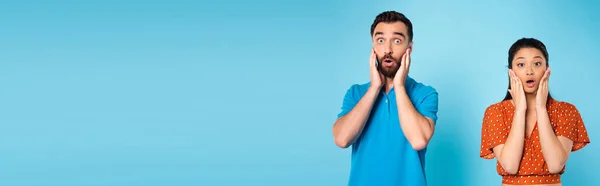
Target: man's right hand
{"x": 376, "y": 76}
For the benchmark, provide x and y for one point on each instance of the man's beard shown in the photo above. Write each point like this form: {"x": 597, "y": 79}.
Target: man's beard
{"x": 389, "y": 72}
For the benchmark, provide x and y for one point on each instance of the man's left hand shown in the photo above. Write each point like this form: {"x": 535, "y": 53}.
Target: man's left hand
{"x": 400, "y": 77}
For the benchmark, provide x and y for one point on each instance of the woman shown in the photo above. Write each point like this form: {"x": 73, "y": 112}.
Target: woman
{"x": 529, "y": 133}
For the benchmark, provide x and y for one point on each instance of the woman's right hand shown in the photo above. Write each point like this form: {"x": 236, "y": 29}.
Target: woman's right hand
{"x": 517, "y": 92}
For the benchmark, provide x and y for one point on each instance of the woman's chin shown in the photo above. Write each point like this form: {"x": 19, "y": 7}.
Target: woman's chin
{"x": 530, "y": 90}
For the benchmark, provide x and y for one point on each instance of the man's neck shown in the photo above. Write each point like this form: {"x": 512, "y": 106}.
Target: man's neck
{"x": 389, "y": 83}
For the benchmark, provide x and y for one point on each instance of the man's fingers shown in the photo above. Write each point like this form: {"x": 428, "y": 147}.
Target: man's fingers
{"x": 373, "y": 57}
{"x": 407, "y": 58}
{"x": 403, "y": 60}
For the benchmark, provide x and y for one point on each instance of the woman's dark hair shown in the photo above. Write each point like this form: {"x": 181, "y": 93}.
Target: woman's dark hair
{"x": 525, "y": 43}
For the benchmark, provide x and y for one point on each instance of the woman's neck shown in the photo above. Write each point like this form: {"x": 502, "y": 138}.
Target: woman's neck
{"x": 530, "y": 97}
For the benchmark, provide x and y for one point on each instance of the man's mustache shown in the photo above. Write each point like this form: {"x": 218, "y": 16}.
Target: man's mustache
{"x": 387, "y": 56}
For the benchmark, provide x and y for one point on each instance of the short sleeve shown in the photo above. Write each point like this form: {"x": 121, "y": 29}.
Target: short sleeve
{"x": 494, "y": 131}
{"x": 569, "y": 124}
{"x": 349, "y": 100}
{"x": 429, "y": 106}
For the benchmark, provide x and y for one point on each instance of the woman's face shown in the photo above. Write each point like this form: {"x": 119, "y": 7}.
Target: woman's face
{"x": 529, "y": 65}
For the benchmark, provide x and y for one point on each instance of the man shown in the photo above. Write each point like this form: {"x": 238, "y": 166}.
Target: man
{"x": 389, "y": 120}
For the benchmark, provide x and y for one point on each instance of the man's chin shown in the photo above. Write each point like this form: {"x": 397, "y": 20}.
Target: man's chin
{"x": 389, "y": 74}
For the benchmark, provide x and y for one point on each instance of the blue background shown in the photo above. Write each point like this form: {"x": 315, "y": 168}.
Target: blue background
{"x": 245, "y": 93}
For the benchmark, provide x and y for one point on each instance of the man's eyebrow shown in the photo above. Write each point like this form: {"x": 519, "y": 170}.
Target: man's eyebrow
{"x": 395, "y": 33}
{"x": 400, "y": 34}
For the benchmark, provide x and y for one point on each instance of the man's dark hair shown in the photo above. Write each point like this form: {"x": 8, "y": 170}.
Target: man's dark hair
{"x": 390, "y": 17}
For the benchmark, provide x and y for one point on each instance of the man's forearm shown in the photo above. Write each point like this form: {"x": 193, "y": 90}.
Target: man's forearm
{"x": 347, "y": 128}
{"x": 417, "y": 129}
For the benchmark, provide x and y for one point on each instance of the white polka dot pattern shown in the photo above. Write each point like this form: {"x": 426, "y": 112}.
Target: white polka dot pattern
{"x": 566, "y": 121}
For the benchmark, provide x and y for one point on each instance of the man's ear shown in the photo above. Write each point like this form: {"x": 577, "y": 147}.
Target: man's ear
{"x": 410, "y": 46}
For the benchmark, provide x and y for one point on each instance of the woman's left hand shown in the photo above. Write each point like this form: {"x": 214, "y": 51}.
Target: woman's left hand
{"x": 542, "y": 91}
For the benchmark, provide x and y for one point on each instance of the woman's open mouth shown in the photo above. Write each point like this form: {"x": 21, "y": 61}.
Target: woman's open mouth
{"x": 530, "y": 83}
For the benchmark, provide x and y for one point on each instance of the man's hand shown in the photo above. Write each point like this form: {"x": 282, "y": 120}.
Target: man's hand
{"x": 376, "y": 76}
{"x": 400, "y": 77}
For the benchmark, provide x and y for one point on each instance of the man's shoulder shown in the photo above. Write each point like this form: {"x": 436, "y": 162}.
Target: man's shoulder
{"x": 420, "y": 88}
{"x": 359, "y": 88}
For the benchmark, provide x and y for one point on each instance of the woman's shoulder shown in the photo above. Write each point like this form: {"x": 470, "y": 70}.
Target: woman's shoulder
{"x": 499, "y": 106}
{"x": 560, "y": 106}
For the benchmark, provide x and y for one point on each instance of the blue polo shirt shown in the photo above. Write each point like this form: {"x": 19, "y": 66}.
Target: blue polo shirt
{"x": 382, "y": 155}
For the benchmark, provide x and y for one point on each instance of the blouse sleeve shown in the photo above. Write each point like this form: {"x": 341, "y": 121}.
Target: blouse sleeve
{"x": 494, "y": 131}
{"x": 569, "y": 124}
